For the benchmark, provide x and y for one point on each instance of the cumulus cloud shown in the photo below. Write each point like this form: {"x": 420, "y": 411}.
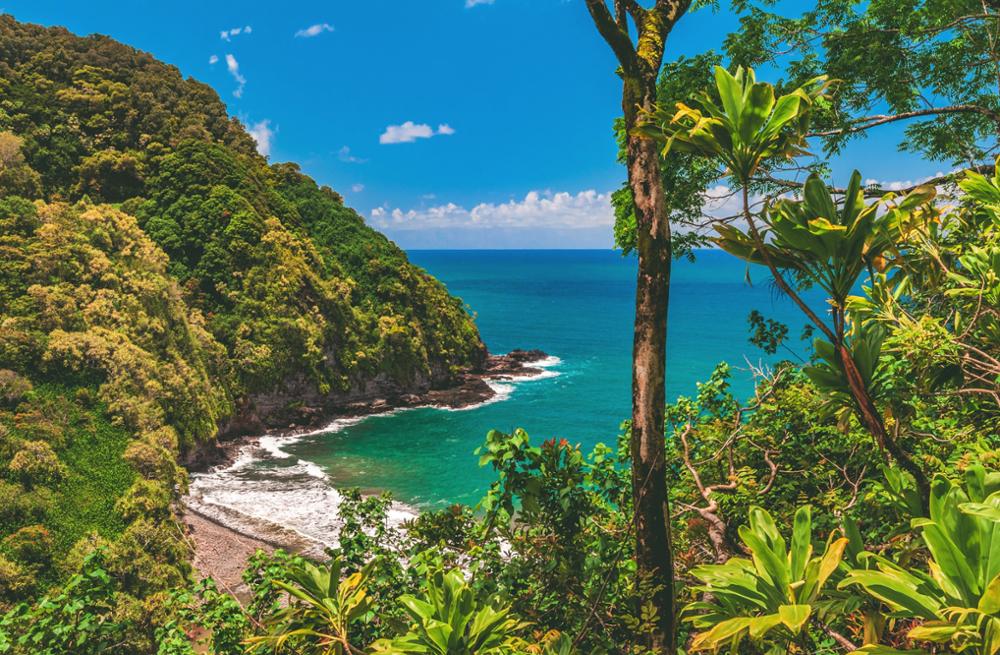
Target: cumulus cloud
{"x": 472, "y": 3}
{"x": 538, "y": 209}
{"x": 214, "y": 59}
{"x": 409, "y": 132}
{"x": 234, "y": 70}
{"x": 357, "y": 188}
{"x": 263, "y": 135}
{"x": 314, "y": 30}
{"x": 344, "y": 155}
{"x": 227, "y": 35}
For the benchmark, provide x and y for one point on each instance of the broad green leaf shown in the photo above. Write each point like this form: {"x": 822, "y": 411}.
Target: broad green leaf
{"x": 991, "y": 636}
{"x": 760, "y": 625}
{"x": 950, "y": 558}
{"x": 794, "y": 616}
{"x": 895, "y": 591}
{"x": 801, "y": 542}
{"x": 730, "y": 92}
{"x": 828, "y": 564}
{"x": 935, "y": 631}
{"x": 786, "y": 108}
{"x": 982, "y": 510}
{"x": 760, "y": 101}
{"x": 768, "y": 564}
{"x": 724, "y": 631}
{"x": 989, "y": 602}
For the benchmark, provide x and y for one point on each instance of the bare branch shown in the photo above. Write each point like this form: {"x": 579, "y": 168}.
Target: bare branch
{"x": 615, "y": 35}
{"x": 868, "y": 122}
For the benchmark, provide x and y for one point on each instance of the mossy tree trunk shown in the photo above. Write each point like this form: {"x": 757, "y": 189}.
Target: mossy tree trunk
{"x": 640, "y": 63}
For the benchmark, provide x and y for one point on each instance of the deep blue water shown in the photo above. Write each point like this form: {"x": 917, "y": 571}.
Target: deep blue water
{"x": 577, "y": 306}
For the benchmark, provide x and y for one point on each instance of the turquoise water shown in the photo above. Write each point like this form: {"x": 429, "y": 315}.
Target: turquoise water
{"x": 577, "y": 306}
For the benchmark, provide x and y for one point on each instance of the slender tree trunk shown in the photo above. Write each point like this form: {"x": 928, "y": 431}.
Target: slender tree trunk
{"x": 654, "y": 558}
{"x": 867, "y": 412}
{"x": 872, "y": 420}
{"x": 640, "y": 63}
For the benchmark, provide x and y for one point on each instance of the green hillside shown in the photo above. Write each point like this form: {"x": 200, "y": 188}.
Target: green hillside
{"x": 160, "y": 281}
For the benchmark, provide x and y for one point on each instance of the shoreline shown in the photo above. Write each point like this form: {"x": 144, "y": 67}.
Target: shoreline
{"x": 222, "y": 547}
{"x": 470, "y": 390}
{"x": 220, "y": 552}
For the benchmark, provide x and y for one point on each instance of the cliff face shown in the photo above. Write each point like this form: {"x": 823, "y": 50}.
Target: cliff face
{"x": 309, "y": 302}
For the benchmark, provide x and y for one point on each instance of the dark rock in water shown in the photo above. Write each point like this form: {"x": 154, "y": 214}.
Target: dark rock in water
{"x": 514, "y": 364}
{"x": 525, "y": 356}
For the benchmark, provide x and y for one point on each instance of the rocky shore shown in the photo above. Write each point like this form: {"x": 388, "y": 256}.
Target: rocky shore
{"x": 222, "y": 552}
{"x": 468, "y": 389}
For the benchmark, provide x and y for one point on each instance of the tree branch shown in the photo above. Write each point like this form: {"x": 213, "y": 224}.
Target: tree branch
{"x": 635, "y": 10}
{"x": 879, "y": 192}
{"x": 868, "y": 122}
{"x": 614, "y": 34}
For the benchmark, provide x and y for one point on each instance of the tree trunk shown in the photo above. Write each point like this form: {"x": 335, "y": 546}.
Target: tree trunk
{"x": 868, "y": 413}
{"x": 654, "y": 559}
{"x": 872, "y": 420}
{"x": 639, "y": 68}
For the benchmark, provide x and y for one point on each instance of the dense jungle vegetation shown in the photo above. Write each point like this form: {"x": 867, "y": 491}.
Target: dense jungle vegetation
{"x": 852, "y": 504}
{"x": 160, "y": 282}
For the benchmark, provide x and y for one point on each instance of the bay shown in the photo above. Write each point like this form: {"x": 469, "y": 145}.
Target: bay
{"x": 577, "y": 306}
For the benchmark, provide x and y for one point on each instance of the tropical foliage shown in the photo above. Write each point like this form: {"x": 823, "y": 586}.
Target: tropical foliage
{"x": 771, "y": 596}
{"x": 160, "y": 283}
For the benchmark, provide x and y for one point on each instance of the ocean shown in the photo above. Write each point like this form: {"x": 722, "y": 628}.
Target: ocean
{"x": 577, "y": 306}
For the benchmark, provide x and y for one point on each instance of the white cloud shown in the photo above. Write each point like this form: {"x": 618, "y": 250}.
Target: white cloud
{"x": 896, "y": 185}
{"x": 538, "y": 209}
{"x": 472, "y": 3}
{"x": 214, "y": 59}
{"x": 263, "y": 135}
{"x": 357, "y": 188}
{"x": 314, "y": 30}
{"x": 227, "y": 35}
{"x": 234, "y": 70}
{"x": 409, "y": 132}
{"x": 344, "y": 154}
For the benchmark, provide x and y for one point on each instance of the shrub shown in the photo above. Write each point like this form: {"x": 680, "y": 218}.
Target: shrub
{"x": 145, "y": 499}
{"x": 15, "y": 581}
{"x": 77, "y": 555}
{"x": 153, "y": 462}
{"x": 19, "y": 505}
{"x": 32, "y": 544}
{"x": 36, "y": 463}
{"x": 13, "y": 387}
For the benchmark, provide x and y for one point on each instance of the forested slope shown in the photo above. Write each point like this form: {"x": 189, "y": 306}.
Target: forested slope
{"x": 160, "y": 282}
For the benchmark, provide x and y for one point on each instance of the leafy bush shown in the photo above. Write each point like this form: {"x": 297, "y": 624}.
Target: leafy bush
{"x": 36, "y": 463}
{"x": 449, "y": 620}
{"x": 958, "y": 597}
{"x": 31, "y": 544}
{"x": 772, "y": 596}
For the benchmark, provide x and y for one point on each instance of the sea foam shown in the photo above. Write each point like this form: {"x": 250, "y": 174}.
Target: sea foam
{"x": 270, "y": 493}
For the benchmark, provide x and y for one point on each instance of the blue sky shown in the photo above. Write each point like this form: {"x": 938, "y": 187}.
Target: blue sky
{"x": 447, "y": 123}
